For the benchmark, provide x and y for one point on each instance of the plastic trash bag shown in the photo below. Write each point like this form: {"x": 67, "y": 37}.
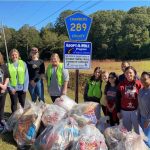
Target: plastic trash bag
{"x": 84, "y": 113}
{"x": 133, "y": 141}
{"x": 65, "y": 102}
{"x": 27, "y": 126}
{"x": 52, "y": 114}
{"x": 103, "y": 124}
{"x": 59, "y": 137}
{"x": 114, "y": 136}
{"x": 90, "y": 139}
{"x": 12, "y": 120}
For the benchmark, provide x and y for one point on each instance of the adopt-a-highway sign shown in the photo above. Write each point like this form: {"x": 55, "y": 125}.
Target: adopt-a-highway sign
{"x": 77, "y": 55}
{"x": 78, "y": 26}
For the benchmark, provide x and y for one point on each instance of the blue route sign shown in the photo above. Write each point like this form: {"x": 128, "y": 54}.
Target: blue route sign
{"x": 77, "y": 55}
{"x": 78, "y": 26}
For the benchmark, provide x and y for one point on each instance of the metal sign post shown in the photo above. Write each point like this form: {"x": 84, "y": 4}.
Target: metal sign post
{"x": 78, "y": 26}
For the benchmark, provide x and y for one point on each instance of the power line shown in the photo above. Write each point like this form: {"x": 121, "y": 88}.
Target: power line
{"x": 80, "y": 6}
{"x": 83, "y": 5}
{"x": 53, "y": 13}
{"x": 92, "y": 5}
{"x": 36, "y": 11}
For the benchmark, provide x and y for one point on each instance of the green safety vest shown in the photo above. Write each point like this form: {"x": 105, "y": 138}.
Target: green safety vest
{"x": 17, "y": 73}
{"x": 59, "y": 74}
{"x": 94, "y": 89}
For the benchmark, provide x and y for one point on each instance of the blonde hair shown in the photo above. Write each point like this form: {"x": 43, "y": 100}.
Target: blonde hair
{"x": 16, "y": 51}
{"x": 55, "y": 55}
{"x": 1, "y": 59}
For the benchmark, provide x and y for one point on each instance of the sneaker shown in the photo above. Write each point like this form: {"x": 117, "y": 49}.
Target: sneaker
{"x": 1, "y": 127}
{"x": 4, "y": 123}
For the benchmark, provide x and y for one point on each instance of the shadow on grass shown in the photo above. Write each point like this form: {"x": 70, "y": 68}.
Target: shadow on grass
{"x": 8, "y": 136}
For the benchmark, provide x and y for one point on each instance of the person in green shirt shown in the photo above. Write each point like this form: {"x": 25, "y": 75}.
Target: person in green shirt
{"x": 92, "y": 91}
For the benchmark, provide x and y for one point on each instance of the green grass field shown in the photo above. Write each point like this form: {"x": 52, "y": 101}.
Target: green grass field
{"x": 6, "y": 140}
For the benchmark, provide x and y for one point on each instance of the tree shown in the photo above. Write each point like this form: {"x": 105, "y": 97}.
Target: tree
{"x": 26, "y": 38}
{"x": 60, "y": 26}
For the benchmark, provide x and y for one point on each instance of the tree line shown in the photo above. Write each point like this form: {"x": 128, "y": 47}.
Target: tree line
{"x": 114, "y": 34}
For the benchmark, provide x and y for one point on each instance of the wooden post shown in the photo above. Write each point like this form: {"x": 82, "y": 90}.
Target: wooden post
{"x": 76, "y": 85}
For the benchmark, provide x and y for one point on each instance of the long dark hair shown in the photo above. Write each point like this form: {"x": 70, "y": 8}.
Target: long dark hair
{"x": 93, "y": 76}
{"x": 116, "y": 81}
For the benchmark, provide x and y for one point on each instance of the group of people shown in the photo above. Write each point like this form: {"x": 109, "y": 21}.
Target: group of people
{"x": 125, "y": 97}
{"x": 18, "y": 76}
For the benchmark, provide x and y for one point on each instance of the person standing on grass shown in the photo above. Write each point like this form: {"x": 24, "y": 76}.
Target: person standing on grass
{"x": 57, "y": 77}
{"x": 105, "y": 75}
{"x": 19, "y": 79}
{"x": 127, "y": 99}
{"x": 144, "y": 105}
{"x": 4, "y": 79}
{"x": 36, "y": 69}
{"x": 92, "y": 91}
{"x": 111, "y": 97}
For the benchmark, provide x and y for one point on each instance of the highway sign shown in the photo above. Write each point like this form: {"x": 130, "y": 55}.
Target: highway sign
{"x": 78, "y": 26}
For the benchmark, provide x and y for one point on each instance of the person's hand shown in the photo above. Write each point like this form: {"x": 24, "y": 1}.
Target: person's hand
{"x": 33, "y": 83}
{"x": 146, "y": 123}
{"x": 63, "y": 92}
{"x": 119, "y": 115}
{"x": 111, "y": 109}
{"x": 3, "y": 87}
{"x": 24, "y": 91}
{"x": 13, "y": 92}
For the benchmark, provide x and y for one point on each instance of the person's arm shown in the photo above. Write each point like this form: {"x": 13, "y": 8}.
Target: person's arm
{"x": 4, "y": 85}
{"x": 118, "y": 103}
{"x": 64, "y": 88}
{"x": 6, "y": 77}
{"x": 26, "y": 82}
{"x": 66, "y": 80}
{"x": 85, "y": 92}
{"x": 42, "y": 70}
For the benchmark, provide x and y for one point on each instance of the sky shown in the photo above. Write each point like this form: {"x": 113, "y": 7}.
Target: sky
{"x": 38, "y": 13}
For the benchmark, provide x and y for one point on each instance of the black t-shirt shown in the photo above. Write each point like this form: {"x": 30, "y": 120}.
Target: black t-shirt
{"x": 4, "y": 73}
{"x": 35, "y": 69}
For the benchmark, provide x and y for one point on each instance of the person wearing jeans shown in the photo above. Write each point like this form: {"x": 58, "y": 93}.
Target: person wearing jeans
{"x": 36, "y": 70}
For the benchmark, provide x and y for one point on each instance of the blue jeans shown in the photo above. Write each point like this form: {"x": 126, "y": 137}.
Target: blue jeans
{"x": 146, "y": 131}
{"x": 37, "y": 91}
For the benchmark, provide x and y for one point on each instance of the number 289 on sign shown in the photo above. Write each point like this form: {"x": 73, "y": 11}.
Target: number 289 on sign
{"x": 78, "y": 27}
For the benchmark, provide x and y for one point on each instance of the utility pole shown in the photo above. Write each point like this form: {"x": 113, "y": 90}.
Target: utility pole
{"x": 6, "y": 49}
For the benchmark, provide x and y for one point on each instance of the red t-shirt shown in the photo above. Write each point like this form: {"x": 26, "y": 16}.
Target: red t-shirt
{"x": 129, "y": 92}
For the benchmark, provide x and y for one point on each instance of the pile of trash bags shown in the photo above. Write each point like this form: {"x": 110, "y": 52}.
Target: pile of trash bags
{"x": 67, "y": 125}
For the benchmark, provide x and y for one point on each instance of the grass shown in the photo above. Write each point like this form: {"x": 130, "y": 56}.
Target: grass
{"x": 6, "y": 140}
